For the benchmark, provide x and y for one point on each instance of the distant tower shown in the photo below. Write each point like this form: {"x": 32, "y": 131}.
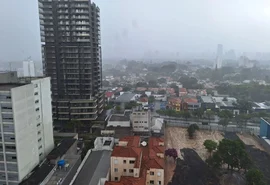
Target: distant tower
{"x": 29, "y": 69}
{"x": 218, "y": 61}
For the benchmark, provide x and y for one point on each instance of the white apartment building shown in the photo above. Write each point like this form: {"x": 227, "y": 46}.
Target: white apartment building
{"x": 29, "y": 69}
{"x": 140, "y": 120}
{"x": 26, "y": 132}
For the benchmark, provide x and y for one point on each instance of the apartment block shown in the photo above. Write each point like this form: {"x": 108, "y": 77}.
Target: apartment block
{"x": 140, "y": 120}
{"x": 71, "y": 55}
{"x": 26, "y": 132}
{"x": 137, "y": 163}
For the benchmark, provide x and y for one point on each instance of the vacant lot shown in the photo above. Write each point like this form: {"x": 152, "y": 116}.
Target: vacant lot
{"x": 176, "y": 137}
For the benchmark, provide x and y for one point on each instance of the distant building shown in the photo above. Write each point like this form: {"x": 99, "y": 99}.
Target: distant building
{"x": 219, "y": 57}
{"x": 174, "y": 104}
{"x": 140, "y": 121}
{"x": 118, "y": 121}
{"x": 27, "y": 132}
{"x": 190, "y": 103}
{"x": 182, "y": 92}
{"x": 137, "y": 163}
{"x": 246, "y": 63}
{"x": 207, "y": 102}
{"x": 29, "y": 69}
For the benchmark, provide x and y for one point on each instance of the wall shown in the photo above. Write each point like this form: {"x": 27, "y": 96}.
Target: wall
{"x": 121, "y": 166}
{"x": 264, "y": 128}
{"x": 157, "y": 177}
{"x": 118, "y": 123}
{"x": 140, "y": 121}
{"x": 44, "y": 90}
{"x": 25, "y": 124}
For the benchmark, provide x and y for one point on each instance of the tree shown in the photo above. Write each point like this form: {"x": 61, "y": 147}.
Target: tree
{"x": 214, "y": 161}
{"x": 141, "y": 84}
{"x": 171, "y": 152}
{"x": 162, "y": 80}
{"x": 152, "y": 83}
{"x": 225, "y": 114}
{"x": 151, "y": 99}
{"x": 186, "y": 115}
{"x": 210, "y": 145}
{"x": 118, "y": 108}
{"x": 106, "y": 83}
{"x": 255, "y": 177}
{"x": 75, "y": 124}
{"x": 224, "y": 122}
{"x": 126, "y": 88}
{"x": 209, "y": 114}
{"x": 198, "y": 113}
{"x": 244, "y": 106}
{"x": 192, "y": 129}
{"x": 162, "y": 92}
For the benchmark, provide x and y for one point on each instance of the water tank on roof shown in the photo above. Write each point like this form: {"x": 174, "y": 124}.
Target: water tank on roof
{"x": 61, "y": 163}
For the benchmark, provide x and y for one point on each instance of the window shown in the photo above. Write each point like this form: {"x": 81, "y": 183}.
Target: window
{"x": 36, "y": 93}
{"x": 41, "y": 154}
{"x": 159, "y": 182}
{"x": 115, "y": 169}
{"x": 39, "y": 147}
{"x": 36, "y": 101}
{"x": 125, "y": 170}
{"x": 152, "y": 182}
{"x": 14, "y": 157}
{"x": 158, "y": 174}
{"x": 152, "y": 173}
{"x": 37, "y": 109}
{"x": 130, "y": 170}
{"x": 115, "y": 161}
{"x": 143, "y": 113}
{"x": 116, "y": 178}
{"x": 131, "y": 162}
{"x": 125, "y": 161}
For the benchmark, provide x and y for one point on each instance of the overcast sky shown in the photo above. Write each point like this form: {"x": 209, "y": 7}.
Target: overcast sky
{"x": 129, "y": 28}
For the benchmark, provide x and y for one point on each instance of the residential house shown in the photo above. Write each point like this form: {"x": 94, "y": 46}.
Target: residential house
{"x": 190, "y": 103}
{"x": 182, "y": 92}
{"x": 174, "y": 103}
{"x": 135, "y": 163}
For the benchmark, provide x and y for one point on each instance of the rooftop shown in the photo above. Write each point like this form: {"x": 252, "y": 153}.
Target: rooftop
{"x": 207, "y": 99}
{"x": 9, "y": 86}
{"x": 61, "y": 149}
{"x": 95, "y": 167}
{"x": 38, "y": 175}
{"x": 118, "y": 118}
{"x": 125, "y": 97}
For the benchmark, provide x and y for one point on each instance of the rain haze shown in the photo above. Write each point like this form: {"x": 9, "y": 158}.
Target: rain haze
{"x": 131, "y": 28}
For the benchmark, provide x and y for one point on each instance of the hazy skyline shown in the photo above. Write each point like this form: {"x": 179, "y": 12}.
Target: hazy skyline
{"x": 131, "y": 28}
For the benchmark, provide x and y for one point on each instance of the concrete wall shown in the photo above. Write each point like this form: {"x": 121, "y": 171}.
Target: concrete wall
{"x": 118, "y": 124}
{"x": 25, "y": 125}
{"x": 43, "y": 88}
{"x": 118, "y": 163}
{"x": 156, "y": 175}
{"x": 140, "y": 121}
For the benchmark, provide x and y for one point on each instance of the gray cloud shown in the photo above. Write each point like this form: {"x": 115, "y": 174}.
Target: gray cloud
{"x": 132, "y": 28}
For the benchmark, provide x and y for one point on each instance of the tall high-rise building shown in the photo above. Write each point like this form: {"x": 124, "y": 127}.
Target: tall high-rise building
{"x": 219, "y": 57}
{"x": 29, "y": 69}
{"x": 71, "y": 54}
{"x": 26, "y": 132}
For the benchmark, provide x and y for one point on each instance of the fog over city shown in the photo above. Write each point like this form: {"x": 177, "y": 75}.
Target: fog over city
{"x": 133, "y": 29}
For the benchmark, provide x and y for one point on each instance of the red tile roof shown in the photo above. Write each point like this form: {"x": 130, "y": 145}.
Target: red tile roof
{"x": 190, "y": 100}
{"x": 149, "y": 158}
{"x": 133, "y": 141}
{"x": 183, "y": 90}
{"x": 109, "y": 94}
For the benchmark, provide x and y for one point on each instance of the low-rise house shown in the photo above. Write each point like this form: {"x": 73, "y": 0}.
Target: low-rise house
{"x": 175, "y": 103}
{"x": 137, "y": 163}
{"x": 183, "y": 92}
{"x": 190, "y": 103}
{"x": 207, "y": 102}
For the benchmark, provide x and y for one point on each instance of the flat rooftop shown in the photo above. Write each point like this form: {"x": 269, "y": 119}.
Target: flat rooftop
{"x": 119, "y": 118}
{"x": 39, "y": 174}
{"x": 61, "y": 149}
{"x": 9, "y": 86}
{"x": 207, "y": 99}
{"x": 95, "y": 167}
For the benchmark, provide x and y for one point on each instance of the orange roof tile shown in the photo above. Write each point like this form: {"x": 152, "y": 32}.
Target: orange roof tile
{"x": 190, "y": 100}
{"x": 133, "y": 141}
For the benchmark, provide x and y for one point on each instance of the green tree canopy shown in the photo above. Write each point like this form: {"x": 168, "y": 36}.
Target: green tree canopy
{"x": 192, "y": 129}
{"x": 210, "y": 145}
{"x": 255, "y": 177}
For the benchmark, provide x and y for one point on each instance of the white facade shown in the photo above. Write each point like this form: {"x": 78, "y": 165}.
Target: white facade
{"x": 26, "y": 128}
{"x": 140, "y": 121}
{"x": 219, "y": 57}
{"x": 29, "y": 68}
